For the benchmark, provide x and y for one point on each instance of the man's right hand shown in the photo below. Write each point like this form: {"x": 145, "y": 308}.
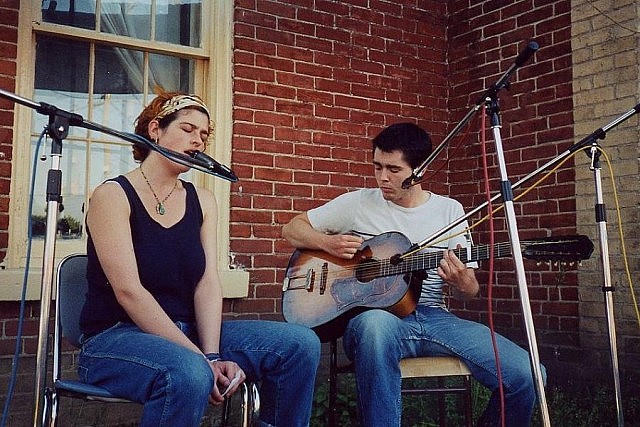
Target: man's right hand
{"x": 342, "y": 245}
{"x": 301, "y": 234}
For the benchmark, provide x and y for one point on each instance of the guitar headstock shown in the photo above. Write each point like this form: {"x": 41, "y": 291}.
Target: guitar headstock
{"x": 565, "y": 249}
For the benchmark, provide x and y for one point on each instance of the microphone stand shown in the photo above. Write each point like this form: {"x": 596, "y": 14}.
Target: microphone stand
{"x": 507, "y": 196}
{"x": 587, "y": 143}
{"x": 583, "y": 144}
{"x": 607, "y": 288}
{"x": 419, "y": 172}
{"x": 58, "y": 129}
{"x": 490, "y": 98}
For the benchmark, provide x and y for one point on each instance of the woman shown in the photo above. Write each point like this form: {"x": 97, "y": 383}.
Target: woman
{"x": 152, "y": 323}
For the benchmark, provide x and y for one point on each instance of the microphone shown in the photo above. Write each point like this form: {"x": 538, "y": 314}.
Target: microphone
{"x": 524, "y": 56}
{"x": 213, "y": 166}
{"x": 411, "y": 181}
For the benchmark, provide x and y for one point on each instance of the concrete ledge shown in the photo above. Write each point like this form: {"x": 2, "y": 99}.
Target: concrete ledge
{"x": 235, "y": 284}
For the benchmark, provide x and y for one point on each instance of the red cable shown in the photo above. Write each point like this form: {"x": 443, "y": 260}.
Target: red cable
{"x": 491, "y": 258}
{"x": 451, "y": 153}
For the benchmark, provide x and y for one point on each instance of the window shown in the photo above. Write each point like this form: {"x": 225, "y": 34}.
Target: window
{"x": 104, "y": 60}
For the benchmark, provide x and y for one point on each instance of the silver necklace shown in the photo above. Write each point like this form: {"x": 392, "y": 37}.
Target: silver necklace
{"x": 160, "y": 210}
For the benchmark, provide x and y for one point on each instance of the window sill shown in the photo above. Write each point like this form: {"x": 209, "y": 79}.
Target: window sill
{"x": 235, "y": 284}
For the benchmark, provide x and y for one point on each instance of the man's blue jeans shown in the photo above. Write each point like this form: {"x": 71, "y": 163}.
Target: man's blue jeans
{"x": 376, "y": 341}
{"x": 174, "y": 383}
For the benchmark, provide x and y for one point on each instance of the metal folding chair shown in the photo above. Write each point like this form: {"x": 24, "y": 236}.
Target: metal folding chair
{"x": 70, "y": 295}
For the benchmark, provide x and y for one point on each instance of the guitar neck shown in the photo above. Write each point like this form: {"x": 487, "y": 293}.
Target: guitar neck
{"x": 431, "y": 260}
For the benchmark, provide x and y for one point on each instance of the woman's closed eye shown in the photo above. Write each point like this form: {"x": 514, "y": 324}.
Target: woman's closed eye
{"x": 190, "y": 129}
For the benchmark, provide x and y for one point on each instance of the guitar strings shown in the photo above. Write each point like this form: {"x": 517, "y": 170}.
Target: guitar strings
{"x": 418, "y": 260}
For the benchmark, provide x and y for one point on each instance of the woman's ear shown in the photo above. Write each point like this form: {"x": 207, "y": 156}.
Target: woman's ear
{"x": 153, "y": 129}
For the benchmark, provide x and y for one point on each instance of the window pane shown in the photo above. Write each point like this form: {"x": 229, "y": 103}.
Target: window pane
{"x": 108, "y": 161}
{"x": 74, "y": 13}
{"x": 61, "y": 64}
{"x": 170, "y": 73}
{"x": 114, "y": 101}
{"x": 73, "y": 191}
{"x": 83, "y": 73}
{"x": 73, "y": 165}
{"x": 117, "y": 112}
{"x": 126, "y": 18}
{"x": 61, "y": 79}
{"x": 118, "y": 70}
{"x": 178, "y": 22}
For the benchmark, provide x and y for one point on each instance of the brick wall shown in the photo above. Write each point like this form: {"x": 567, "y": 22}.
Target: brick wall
{"x": 8, "y": 51}
{"x": 9, "y": 310}
{"x": 313, "y": 84}
{"x": 606, "y": 57}
{"x": 537, "y": 125}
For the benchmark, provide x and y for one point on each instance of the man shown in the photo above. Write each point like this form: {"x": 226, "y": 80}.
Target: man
{"x": 376, "y": 340}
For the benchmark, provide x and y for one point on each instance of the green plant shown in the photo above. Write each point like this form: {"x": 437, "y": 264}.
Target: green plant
{"x": 417, "y": 411}
{"x": 38, "y": 225}
{"x": 69, "y": 225}
{"x": 569, "y": 406}
{"x": 579, "y": 405}
{"x": 346, "y": 413}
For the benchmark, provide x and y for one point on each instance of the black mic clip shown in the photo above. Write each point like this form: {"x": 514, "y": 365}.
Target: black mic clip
{"x": 213, "y": 166}
{"x": 411, "y": 181}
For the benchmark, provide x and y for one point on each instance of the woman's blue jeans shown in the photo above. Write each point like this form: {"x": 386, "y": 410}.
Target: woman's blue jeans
{"x": 173, "y": 383}
{"x": 376, "y": 341}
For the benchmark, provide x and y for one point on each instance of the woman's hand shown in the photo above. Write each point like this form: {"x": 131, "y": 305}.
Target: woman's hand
{"x": 227, "y": 378}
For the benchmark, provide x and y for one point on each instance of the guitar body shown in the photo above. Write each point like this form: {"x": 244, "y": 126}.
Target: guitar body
{"x": 323, "y": 292}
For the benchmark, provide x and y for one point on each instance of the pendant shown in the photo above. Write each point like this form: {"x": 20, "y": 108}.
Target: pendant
{"x": 160, "y": 208}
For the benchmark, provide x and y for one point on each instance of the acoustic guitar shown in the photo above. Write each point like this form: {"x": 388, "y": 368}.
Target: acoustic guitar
{"x": 323, "y": 292}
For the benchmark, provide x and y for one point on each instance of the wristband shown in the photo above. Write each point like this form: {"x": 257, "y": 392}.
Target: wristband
{"x": 212, "y": 357}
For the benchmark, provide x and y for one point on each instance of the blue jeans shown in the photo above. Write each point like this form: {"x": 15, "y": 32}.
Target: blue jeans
{"x": 173, "y": 383}
{"x": 376, "y": 341}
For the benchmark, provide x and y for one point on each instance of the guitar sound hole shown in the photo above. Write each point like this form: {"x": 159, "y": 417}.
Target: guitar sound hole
{"x": 368, "y": 270}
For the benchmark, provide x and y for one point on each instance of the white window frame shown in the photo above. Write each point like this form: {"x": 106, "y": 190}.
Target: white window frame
{"x": 214, "y": 84}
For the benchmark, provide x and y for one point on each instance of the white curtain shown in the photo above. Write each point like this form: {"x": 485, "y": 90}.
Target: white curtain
{"x": 126, "y": 19}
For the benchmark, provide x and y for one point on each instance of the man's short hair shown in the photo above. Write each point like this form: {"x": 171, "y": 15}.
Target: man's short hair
{"x": 408, "y": 138}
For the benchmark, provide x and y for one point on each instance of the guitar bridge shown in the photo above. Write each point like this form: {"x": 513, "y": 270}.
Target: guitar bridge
{"x": 323, "y": 278}
{"x": 308, "y": 281}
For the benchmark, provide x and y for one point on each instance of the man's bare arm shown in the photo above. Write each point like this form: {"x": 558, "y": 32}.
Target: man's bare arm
{"x": 300, "y": 233}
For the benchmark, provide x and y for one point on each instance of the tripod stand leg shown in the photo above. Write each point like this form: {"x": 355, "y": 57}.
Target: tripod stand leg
{"x": 607, "y": 288}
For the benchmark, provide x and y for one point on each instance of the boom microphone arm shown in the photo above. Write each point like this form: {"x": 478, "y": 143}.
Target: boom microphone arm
{"x": 502, "y": 83}
{"x": 197, "y": 160}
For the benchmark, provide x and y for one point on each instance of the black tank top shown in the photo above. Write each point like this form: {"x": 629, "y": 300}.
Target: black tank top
{"x": 171, "y": 261}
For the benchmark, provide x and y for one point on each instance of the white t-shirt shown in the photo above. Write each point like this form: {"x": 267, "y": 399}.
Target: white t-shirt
{"x": 366, "y": 213}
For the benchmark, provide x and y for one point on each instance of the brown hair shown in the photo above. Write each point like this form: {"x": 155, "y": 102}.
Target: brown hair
{"x": 410, "y": 139}
{"x": 153, "y": 112}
